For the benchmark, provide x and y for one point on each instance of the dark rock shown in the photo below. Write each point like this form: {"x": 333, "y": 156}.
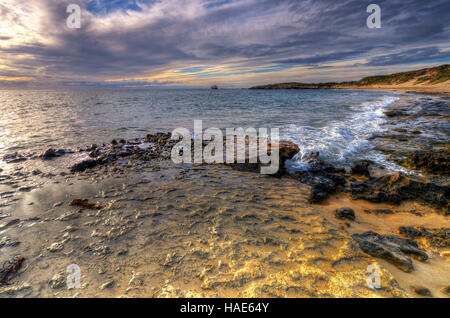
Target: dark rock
{"x": 392, "y": 248}
{"x": 322, "y": 187}
{"x": 14, "y": 158}
{"x": 345, "y": 214}
{"x": 446, "y": 290}
{"x": 433, "y": 162}
{"x": 49, "y": 154}
{"x": 83, "y": 165}
{"x": 434, "y": 237}
{"x": 395, "y": 113}
{"x": 92, "y": 147}
{"x": 422, "y": 291}
{"x": 322, "y": 177}
{"x": 399, "y": 187}
{"x": 410, "y": 232}
{"x": 361, "y": 168}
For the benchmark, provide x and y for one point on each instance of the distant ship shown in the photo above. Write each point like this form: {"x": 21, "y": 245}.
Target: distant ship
{"x": 214, "y": 87}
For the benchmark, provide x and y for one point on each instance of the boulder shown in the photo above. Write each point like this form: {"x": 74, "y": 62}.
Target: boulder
{"x": 345, "y": 214}
{"x": 399, "y": 187}
{"x": 392, "y": 248}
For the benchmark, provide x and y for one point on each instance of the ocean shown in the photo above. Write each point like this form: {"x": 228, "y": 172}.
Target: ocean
{"x": 337, "y": 123}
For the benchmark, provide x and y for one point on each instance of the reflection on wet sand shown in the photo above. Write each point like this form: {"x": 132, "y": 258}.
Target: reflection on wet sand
{"x": 177, "y": 231}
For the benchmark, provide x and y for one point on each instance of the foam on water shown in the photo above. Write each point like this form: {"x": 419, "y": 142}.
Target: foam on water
{"x": 342, "y": 141}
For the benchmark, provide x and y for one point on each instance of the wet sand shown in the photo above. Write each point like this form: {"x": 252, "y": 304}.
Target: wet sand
{"x": 434, "y": 273}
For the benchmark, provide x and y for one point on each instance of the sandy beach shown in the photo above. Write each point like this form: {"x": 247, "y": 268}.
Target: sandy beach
{"x": 408, "y": 87}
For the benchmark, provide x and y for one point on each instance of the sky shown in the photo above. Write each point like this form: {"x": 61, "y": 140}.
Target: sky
{"x": 230, "y": 43}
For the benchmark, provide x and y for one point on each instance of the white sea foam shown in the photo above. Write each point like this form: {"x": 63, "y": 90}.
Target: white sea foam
{"x": 342, "y": 141}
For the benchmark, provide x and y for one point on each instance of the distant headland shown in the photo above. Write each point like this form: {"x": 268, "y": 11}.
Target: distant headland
{"x": 427, "y": 80}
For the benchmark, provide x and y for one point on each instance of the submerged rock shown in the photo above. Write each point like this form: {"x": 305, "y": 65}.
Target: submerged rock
{"x": 392, "y": 248}
{"x": 399, "y": 187}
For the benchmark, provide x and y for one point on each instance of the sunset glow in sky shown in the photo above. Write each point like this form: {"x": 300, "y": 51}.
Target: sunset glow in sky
{"x": 231, "y": 43}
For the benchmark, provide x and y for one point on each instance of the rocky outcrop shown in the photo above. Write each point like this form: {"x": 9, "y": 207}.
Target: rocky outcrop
{"x": 392, "y": 248}
{"x": 434, "y": 237}
{"x": 399, "y": 187}
{"x": 286, "y": 149}
{"x": 51, "y": 153}
{"x": 151, "y": 147}
{"x": 431, "y": 162}
{"x": 361, "y": 168}
{"x": 323, "y": 178}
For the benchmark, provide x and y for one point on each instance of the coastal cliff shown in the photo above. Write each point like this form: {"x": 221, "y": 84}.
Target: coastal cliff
{"x": 430, "y": 80}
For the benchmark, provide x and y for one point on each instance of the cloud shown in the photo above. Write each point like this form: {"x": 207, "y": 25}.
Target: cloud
{"x": 410, "y": 56}
{"x": 126, "y": 39}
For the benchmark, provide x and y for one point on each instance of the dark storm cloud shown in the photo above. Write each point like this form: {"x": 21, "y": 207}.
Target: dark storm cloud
{"x": 263, "y": 32}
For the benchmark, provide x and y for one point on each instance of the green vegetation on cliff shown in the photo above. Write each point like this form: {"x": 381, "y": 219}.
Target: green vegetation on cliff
{"x": 430, "y": 76}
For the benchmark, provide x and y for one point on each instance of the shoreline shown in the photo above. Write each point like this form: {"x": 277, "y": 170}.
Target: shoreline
{"x": 431, "y": 90}
{"x": 406, "y": 89}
